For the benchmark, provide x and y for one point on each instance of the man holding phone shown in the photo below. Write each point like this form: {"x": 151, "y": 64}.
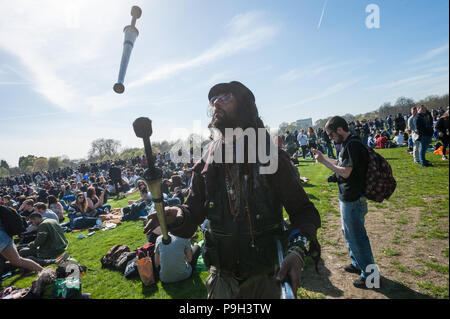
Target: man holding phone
{"x": 350, "y": 174}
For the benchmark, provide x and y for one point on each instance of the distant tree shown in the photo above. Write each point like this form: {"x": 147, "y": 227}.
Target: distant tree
{"x": 4, "y": 172}
{"x": 385, "y": 110}
{"x": 283, "y": 127}
{"x": 101, "y": 147}
{"x": 4, "y": 164}
{"x": 14, "y": 170}
{"x": 40, "y": 164}
{"x": 54, "y": 163}
{"x": 404, "y": 105}
{"x": 25, "y": 162}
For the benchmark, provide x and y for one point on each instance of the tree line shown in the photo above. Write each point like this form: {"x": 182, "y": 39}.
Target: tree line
{"x": 101, "y": 149}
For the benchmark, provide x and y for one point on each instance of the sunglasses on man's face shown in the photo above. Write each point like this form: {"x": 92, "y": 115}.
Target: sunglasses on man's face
{"x": 223, "y": 98}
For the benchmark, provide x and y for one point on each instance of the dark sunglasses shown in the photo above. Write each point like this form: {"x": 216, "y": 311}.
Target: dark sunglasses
{"x": 224, "y": 98}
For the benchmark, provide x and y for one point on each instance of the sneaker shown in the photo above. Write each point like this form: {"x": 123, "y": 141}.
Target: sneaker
{"x": 352, "y": 269}
{"x": 360, "y": 283}
{"x": 444, "y": 157}
{"x": 427, "y": 165}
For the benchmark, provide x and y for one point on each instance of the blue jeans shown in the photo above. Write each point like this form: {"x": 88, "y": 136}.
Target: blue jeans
{"x": 330, "y": 152}
{"x": 69, "y": 198}
{"x": 102, "y": 210}
{"x": 358, "y": 244}
{"x": 424, "y": 141}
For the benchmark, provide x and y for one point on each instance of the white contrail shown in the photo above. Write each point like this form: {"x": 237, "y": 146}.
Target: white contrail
{"x": 323, "y": 12}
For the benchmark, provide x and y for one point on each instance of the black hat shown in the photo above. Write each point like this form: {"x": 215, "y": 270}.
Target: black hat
{"x": 239, "y": 90}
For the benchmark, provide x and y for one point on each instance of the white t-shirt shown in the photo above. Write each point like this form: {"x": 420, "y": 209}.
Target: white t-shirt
{"x": 399, "y": 139}
{"x": 302, "y": 139}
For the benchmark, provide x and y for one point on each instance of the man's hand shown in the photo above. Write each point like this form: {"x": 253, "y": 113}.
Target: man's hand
{"x": 318, "y": 155}
{"x": 171, "y": 214}
{"x": 292, "y": 268}
{"x": 441, "y": 134}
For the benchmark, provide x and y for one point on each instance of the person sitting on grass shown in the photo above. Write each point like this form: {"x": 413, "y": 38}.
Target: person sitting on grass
{"x": 49, "y": 243}
{"x": 79, "y": 214}
{"x": 95, "y": 203}
{"x": 9, "y": 251}
{"x": 26, "y": 209}
{"x": 399, "y": 139}
{"x": 371, "y": 141}
{"x": 56, "y": 207}
{"x": 382, "y": 141}
{"x": 111, "y": 188}
{"x": 146, "y": 196}
{"x": 7, "y": 201}
{"x": 41, "y": 208}
{"x": 176, "y": 260}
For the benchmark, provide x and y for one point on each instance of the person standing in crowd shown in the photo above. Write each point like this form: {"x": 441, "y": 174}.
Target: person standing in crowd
{"x": 302, "y": 139}
{"x": 400, "y": 124}
{"x": 291, "y": 143}
{"x": 389, "y": 124}
{"x": 244, "y": 208}
{"x": 442, "y": 126}
{"x": 414, "y": 135}
{"x": 328, "y": 145}
{"x": 424, "y": 127}
{"x": 350, "y": 170}
{"x": 312, "y": 138}
{"x": 365, "y": 131}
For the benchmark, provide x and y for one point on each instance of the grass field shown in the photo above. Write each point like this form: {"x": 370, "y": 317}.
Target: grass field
{"x": 408, "y": 233}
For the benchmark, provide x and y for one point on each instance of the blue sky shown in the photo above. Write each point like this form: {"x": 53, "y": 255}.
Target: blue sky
{"x": 60, "y": 59}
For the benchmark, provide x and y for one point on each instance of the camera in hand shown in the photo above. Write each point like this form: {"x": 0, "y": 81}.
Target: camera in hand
{"x": 332, "y": 179}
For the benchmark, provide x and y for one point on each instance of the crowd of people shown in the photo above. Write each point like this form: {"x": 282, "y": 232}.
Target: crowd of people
{"x": 238, "y": 209}
{"x": 97, "y": 181}
{"x": 82, "y": 193}
{"x": 414, "y": 131}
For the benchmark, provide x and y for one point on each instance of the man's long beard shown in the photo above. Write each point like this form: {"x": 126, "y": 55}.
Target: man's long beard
{"x": 220, "y": 121}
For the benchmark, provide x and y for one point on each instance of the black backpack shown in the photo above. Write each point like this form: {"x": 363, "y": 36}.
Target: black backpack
{"x": 13, "y": 223}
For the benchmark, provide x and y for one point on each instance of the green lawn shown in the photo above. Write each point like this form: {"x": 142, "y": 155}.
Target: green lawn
{"x": 425, "y": 188}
